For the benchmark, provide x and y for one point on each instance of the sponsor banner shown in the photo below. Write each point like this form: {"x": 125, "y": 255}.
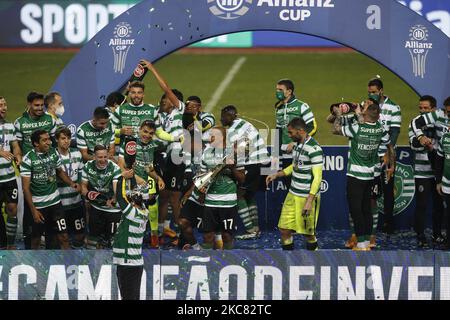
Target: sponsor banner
{"x": 442, "y": 275}
{"x": 160, "y": 28}
{"x": 435, "y": 11}
{"x": 56, "y": 23}
{"x": 230, "y": 275}
{"x": 71, "y": 23}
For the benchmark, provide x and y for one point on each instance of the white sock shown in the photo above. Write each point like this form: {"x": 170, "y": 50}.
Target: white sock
{"x": 218, "y": 237}
{"x": 166, "y": 224}
{"x": 366, "y": 243}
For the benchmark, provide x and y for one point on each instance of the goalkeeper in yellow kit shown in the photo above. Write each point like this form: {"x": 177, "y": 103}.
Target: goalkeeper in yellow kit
{"x": 301, "y": 207}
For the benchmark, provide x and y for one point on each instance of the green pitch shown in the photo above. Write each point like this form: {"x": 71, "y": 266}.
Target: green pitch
{"x": 320, "y": 78}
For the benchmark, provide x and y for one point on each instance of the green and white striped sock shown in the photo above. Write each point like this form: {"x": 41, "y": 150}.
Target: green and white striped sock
{"x": 244, "y": 214}
{"x": 253, "y": 210}
{"x": 11, "y": 230}
{"x": 375, "y": 219}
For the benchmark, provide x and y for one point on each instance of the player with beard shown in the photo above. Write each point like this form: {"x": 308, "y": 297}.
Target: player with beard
{"x": 39, "y": 170}
{"x": 367, "y": 139}
{"x": 97, "y": 131}
{"x": 144, "y": 171}
{"x": 128, "y": 117}
{"x": 32, "y": 119}
{"x": 302, "y": 204}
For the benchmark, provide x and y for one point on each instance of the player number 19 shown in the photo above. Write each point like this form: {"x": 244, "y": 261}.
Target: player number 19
{"x": 61, "y": 224}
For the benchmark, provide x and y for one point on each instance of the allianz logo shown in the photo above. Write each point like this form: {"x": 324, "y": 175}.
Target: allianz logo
{"x": 297, "y": 3}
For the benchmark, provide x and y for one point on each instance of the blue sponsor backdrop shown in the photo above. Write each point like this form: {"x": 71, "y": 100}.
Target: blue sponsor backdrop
{"x": 71, "y": 23}
{"x": 414, "y": 49}
{"x": 435, "y": 11}
{"x": 227, "y": 275}
{"x": 334, "y": 209}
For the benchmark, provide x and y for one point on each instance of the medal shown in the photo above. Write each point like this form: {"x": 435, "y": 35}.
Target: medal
{"x": 50, "y": 171}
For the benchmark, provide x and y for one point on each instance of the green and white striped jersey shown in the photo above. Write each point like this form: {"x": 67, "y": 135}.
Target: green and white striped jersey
{"x": 206, "y": 116}
{"x": 195, "y": 196}
{"x": 72, "y": 164}
{"x": 7, "y": 136}
{"x": 223, "y": 191}
{"x": 59, "y": 122}
{"x": 351, "y": 119}
{"x": 305, "y": 156}
{"x": 172, "y": 123}
{"x": 25, "y": 125}
{"x": 437, "y": 119}
{"x": 41, "y": 169}
{"x": 365, "y": 140}
{"x": 391, "y": 115}
{"x": 444, "y": 151}
{"x": 130, "y": 115}
{"x": 286, "y": 112}
{"x": 244, "y": 133}
{"x": 88, "y": 136}
{"x": 127, "y": 244}
{"x": 145, "y": 155}
{"x": 101, "y": 180}
{"x": 422, "y": 163}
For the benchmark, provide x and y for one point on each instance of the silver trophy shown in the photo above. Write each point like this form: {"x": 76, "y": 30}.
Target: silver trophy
{"x": 204, "y": 180}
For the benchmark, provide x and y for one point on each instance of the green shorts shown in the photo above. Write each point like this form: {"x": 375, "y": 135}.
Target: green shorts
{"x": 291, "y": 215}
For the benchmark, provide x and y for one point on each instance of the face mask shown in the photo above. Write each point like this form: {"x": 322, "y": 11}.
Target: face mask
{"x": 375, "y": 97}
{"x": 280, "y": 95}
{"x": 60, "y": 111}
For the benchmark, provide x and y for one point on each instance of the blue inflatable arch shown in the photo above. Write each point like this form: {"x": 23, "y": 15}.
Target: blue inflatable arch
{"x": 384, "y": 30}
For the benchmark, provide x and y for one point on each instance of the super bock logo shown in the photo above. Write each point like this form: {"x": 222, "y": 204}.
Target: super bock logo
{"x": 419, "y": 47}
{"x": 229, "y": 9}
{"x": 404, "y": 189}
{"x": 121, "y": 44}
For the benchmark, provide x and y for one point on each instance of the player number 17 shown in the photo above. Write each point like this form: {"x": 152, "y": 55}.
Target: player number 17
{"x": 228, "y": 223}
